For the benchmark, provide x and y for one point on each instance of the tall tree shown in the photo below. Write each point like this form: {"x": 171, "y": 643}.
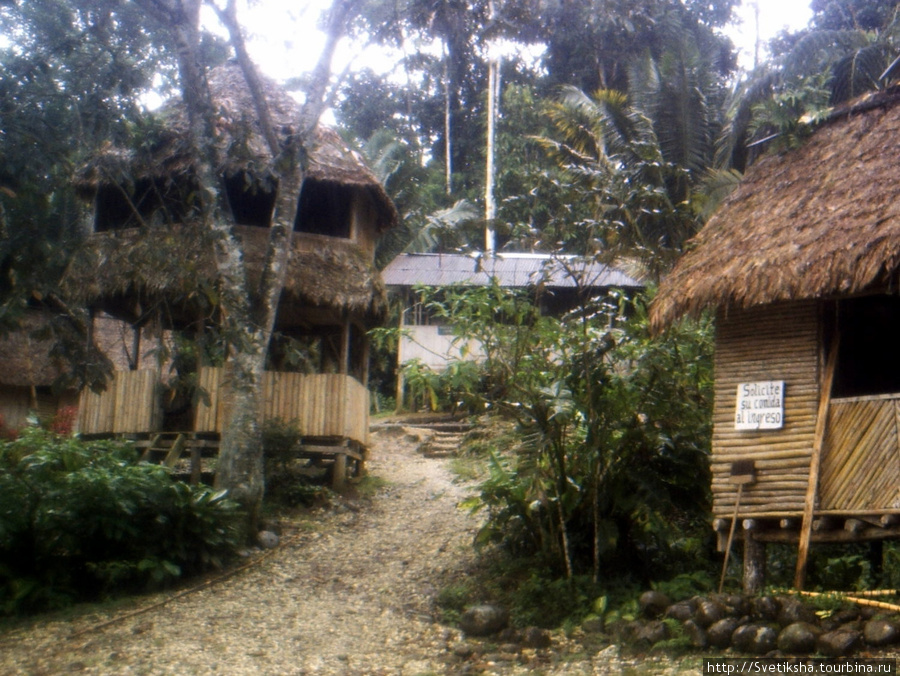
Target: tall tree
{"x": 248, "y": 312}
{"x": 844, "y": 53}
{"x": 70, "y": 78}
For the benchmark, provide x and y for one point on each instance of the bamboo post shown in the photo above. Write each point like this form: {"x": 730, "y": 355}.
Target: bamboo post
{"x": 814, "y": 464}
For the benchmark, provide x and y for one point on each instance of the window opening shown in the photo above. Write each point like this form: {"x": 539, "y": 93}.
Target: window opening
{"x": 147, "y": 201}
{"x": 868, "y": 361}
{"x": 251, "y": 203}
{"x": 325, "y": 209}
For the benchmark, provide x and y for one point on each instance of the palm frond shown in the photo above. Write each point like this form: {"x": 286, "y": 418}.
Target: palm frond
{"x": 858, "y": 72}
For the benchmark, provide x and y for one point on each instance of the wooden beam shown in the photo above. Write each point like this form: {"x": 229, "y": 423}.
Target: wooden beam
{"x": 814, "y": 465}
{"x": 831, "y": 536}
{"x": 854, "y": 525}
{"x": 823, "y": 523}
{"x": 175, "y": 451}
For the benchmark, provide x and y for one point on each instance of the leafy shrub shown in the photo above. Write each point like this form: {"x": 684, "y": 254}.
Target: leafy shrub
{"x": 84, "y": 519}
{"x": 611, "y": 471}
{"x": 286, "y": 484}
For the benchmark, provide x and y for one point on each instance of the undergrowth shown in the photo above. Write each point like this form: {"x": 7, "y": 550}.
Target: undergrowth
{"x": 85, "y": 520}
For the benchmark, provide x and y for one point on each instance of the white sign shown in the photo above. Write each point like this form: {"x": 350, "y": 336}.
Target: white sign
{"x": 760, "y": 406}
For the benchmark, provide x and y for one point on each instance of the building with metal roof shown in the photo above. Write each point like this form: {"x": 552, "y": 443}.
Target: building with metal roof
{"x": 557, "y": 284}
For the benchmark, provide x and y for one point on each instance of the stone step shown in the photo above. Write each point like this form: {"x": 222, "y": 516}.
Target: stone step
{"x": 442, "y": 445}
{"x": 443, "y": 427}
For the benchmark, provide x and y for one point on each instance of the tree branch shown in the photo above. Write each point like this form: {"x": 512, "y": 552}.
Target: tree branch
{"x": 228, "y": 16}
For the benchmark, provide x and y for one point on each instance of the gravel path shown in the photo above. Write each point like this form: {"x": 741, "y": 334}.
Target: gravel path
{"x": 350, "y": 593}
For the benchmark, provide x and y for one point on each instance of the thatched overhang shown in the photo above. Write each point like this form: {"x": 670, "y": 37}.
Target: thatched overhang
{"x": 174, "y": 267}
{"x": 242, "y": 146}
{"x": 820, "y": 221}
{"x": 26, "y": 358}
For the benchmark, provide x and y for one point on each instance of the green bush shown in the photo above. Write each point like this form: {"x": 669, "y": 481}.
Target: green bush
{"x": 611, "y": 470}
{"x": 286, "y": 484}
{"x": 80, "y": 520}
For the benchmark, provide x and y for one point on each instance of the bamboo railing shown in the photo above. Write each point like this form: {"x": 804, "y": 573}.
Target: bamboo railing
{"x": 324, "y": 406}
{"x": 329, "y": 406}
{"x": 861, "y": 463}
{"x": 130, "y": 404}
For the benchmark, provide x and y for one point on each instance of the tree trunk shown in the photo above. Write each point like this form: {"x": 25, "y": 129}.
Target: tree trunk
{"x": 248, "y": 314}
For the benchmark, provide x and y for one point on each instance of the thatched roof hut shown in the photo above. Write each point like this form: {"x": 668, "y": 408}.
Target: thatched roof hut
{"x": 801, "y": 266}
{"x": 29, "y": 372}
{"x": 146, "y": 247}
{"x": 819, "y": 221}
{"x": 243, "y": 147}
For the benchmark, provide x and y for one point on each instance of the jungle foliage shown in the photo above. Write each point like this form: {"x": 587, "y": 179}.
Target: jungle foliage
{"x": 80, "y": 520}
{"x": 611, "y": 473}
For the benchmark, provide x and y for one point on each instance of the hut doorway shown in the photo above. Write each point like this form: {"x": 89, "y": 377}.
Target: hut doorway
{"x": 861, "y": 459}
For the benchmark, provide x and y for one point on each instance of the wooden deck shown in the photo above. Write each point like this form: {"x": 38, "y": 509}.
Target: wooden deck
{"x": 330, "y": 410}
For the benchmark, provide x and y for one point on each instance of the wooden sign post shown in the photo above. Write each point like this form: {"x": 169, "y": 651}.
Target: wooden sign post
{"x": 743, "y": 472}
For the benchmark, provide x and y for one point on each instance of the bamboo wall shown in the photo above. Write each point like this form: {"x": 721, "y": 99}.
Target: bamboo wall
{"x": 323, "y": 405}
{"x": 861, "y": 459}
{"x": 768, "y": 343}
{"x": 130, "y": 404}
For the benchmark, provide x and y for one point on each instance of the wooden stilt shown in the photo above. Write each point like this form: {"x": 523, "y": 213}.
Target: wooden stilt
{"x": 737, "y": 505}
{"x": 754, "y": 564}
{"x": 339, "y": 470}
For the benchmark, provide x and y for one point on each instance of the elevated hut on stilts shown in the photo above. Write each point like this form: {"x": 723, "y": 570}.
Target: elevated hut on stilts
{"x": 149, "y": 261}
{"x": 801, "y": 265}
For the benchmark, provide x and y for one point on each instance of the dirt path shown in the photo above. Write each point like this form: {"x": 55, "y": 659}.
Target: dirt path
{"x": 349, "y": 593}
{"x": 352, "y": 596}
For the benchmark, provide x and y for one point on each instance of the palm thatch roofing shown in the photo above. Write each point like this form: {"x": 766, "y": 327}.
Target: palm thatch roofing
{"x": 819, "y": 221}
{"x": 242, "y": 145}
{"x": 26, "y": 358}
{"x": 175, "y": 265}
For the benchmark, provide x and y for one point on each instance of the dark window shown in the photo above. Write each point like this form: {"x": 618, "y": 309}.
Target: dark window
{"x": 325, "y": 209}
{"x": 251, "y": 203}
{"x": 147, "y": 201}
{"x": 868, "y": 358}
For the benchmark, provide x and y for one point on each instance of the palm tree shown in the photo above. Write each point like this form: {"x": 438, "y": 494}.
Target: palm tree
{"x": 779, "y": 102}
{"x": 425, "y": 227}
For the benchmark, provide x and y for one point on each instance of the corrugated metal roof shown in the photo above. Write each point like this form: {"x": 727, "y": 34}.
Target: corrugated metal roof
{"x": 510, "y": 270}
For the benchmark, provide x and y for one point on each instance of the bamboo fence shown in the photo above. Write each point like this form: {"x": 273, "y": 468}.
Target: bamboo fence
{"x": 328, "y": 406}
{"x": 130, "y": 404}
{"x": 861, "y": 464}
{"x": 322, "y": 405}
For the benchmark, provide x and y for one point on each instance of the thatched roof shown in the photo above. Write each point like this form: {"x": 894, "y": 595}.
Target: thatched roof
{"x": 819, "y": 221}
{"x": 241, "y": 142}
{"x": 25, "y": 354}
{"x": 176, "y": 264}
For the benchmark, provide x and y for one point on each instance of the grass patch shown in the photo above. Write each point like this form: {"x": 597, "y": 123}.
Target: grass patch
{"x": 370, "y": 485}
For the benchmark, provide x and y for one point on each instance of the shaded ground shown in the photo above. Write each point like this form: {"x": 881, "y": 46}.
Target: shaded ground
{"x": 351, "y": 592}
